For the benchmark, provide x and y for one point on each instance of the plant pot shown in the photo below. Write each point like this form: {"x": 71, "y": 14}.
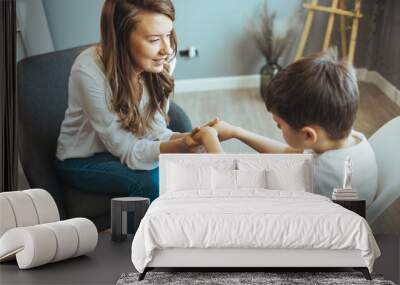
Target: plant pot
{"x": 267, "y": 72}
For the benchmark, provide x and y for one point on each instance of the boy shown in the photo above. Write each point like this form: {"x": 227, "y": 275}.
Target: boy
{"x": 314, "y": 102}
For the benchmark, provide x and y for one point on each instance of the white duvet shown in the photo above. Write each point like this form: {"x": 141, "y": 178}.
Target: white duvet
{"x": 252, "y": 218}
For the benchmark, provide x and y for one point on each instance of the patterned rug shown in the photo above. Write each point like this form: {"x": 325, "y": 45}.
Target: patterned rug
{"x": 230, "y": 278}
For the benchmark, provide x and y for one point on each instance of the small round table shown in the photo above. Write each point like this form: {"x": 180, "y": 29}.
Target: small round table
{"x": 120, "y": 207}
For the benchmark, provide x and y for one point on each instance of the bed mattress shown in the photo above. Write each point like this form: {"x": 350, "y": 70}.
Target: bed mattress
{"x": 250, "y": 219}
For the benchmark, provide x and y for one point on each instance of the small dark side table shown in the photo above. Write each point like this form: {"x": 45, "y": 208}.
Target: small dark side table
{"x": 357, "y": 206}
{"x": 120, "y": 209}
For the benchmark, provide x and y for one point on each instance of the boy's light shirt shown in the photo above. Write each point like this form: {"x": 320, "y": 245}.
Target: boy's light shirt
{"x": 328, "y": 169}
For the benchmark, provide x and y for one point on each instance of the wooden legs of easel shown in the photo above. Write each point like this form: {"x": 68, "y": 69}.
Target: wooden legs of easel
{"x": 338, "y": 7}
{"x": 343, "y": 37}
{"x": 354, "y": 30}
{"x": 306, "y": 31}
{"x": 329, "y": 27}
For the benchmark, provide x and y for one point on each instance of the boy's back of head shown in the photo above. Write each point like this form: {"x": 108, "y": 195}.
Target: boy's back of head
{"x": 316, "y": 90}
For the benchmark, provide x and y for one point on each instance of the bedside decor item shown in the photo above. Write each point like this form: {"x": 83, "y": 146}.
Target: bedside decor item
{"x": 348, "y": 173}
{"x": 120, "y": 207}
{"x": 31, "y": 231}
{"x": 346, "y": 192}
{"x": 270, "y": 44}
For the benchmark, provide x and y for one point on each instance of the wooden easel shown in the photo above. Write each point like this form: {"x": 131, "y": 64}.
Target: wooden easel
{"x": 338, "y": 7}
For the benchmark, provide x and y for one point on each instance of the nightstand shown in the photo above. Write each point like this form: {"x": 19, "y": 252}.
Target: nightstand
{"x": 120, "y": 207}
{"x": 357, "y": 206}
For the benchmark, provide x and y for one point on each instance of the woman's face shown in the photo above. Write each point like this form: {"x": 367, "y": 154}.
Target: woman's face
{"x": 150, "y": 42}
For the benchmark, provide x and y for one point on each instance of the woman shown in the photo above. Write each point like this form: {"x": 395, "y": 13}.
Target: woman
{"x": 115, "y": 126}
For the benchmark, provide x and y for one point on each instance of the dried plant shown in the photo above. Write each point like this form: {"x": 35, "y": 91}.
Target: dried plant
{"x": 271, "y": 46}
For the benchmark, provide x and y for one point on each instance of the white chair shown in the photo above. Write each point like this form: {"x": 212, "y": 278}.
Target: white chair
{"x": 32, "y": 233}
{"x": 386, "y": 145}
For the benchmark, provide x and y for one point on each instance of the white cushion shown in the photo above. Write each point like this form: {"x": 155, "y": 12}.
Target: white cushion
{"x": 182, "y": 178}
{"x": 231, "y": 180}
{"x": 45, "y": 205}
{"x": 251, "y": 178}
{"x": 292, "y": 179}
{"x": 223, "y": 179}
{"x": 281, "y": 174}
{"x": 23, "y": 208}
{"x": 40, "y": 244}
{"x": 87, "y": 233}
{"x": 7, "y": 218}
{"x": 31, "y": 232}
{"x": 26, "y": 208}
{"x": 66, "y": 237}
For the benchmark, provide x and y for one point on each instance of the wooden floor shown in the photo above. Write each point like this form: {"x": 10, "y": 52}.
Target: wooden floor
{"x": 246, "y": 109}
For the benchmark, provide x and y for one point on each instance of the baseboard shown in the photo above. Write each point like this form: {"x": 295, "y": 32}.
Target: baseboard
{"x": 253, "y": 81}
{"x": 361, "y": 74}
{"x": 381, "y": 82}
{"x": 217, "y": 83}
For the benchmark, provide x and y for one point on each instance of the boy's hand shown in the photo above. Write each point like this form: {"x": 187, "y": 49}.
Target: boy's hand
{"x": 211, "y": 123}
{"x": 195, "y": 139}
{"x": 225, "y": 130}
{"x": 200, "y": 134}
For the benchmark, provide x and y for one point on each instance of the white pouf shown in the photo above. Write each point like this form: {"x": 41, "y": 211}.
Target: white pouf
{"x": 31, "y": 230}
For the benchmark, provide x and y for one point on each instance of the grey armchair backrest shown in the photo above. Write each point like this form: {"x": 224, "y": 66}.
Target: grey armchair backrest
{"x": 42, "y": 101}
{"x": 42, "y": 84}
{"x": 385, "y": 142}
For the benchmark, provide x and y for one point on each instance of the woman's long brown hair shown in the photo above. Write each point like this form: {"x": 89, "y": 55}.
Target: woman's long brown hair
{"x": 118, "y": 20}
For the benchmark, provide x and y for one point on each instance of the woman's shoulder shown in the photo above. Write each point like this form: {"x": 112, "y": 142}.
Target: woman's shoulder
{"x": 89, "y": 61}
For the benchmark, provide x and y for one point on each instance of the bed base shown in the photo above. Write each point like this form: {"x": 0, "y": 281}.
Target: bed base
{"x": 242, "y": 259}
{"x": 363, "y": 270}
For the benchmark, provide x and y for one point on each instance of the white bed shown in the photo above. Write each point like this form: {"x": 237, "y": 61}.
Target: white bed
{"x": 239, "y": 216}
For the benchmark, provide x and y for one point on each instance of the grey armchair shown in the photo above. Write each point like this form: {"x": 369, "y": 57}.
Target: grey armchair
{"x": 42, "y": 100}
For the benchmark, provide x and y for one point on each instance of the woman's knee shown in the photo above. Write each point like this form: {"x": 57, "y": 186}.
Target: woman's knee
{"x": 148, "y": 185}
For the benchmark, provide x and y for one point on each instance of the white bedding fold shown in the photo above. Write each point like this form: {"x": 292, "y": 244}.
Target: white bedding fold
{"x": 252, "y": 218}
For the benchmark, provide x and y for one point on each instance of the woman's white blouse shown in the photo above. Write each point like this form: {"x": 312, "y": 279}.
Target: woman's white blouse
{"x": 90, "y": 127}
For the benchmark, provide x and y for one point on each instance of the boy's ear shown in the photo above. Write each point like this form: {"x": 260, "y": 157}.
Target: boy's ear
{"x": 310, "y": 134}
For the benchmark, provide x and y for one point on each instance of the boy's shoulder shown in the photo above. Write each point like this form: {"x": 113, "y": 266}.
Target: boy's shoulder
{"x": 360, "y": 149}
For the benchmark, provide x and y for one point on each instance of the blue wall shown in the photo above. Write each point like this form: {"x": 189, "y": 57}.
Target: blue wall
{"x": 73, "y": 22}
{"x": 218, "y": 28}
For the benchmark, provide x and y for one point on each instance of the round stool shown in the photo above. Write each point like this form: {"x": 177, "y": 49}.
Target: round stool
{"x": 120, "y": 207}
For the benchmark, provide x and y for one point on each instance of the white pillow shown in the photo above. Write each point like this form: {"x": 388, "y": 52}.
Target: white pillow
{"x": 181, "y": 177}
{"x": 224, "y": 179}
{"x": 293, "y": 179}
{"x": 251, "y": 178}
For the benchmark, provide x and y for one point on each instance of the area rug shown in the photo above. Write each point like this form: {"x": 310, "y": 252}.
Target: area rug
{"x": 230, "y": 278}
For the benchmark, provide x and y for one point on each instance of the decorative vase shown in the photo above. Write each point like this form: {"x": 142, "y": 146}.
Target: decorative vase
{"x": 267, "y": 72}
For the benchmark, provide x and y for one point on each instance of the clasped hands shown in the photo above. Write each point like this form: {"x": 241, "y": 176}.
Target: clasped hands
{"x": 207, "y": 138}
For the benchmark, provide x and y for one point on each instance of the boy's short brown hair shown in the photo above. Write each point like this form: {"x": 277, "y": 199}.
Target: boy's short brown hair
{"x": 316, "y": 90}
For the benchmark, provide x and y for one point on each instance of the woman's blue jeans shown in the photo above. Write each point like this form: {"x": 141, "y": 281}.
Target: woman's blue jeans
{"x": 104, "y": 173}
